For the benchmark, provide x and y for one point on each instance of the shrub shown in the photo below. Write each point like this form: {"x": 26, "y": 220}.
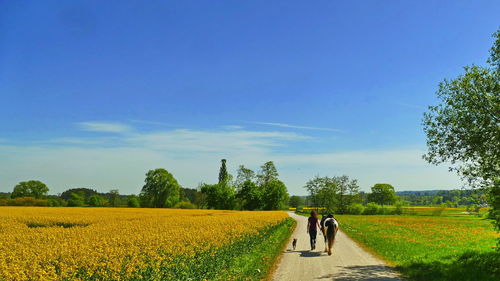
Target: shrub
{"x": 3, "y": 202}
{"x": 185, "y": 205}
{"x": 133, "y": 202}
{"x": 372, "y": 209}
{"x": 77, "y": 200}
{"x": 96, "y": 201}
{"x": 355, "y": 209}
{"x": 27, "y": 201}
{"x": 398, "y": 210}
{"x": 438, "y": 210}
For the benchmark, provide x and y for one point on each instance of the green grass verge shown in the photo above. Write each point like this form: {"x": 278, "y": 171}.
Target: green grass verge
{"x": 257, "y": 263}
{"x": 430, "y": 248}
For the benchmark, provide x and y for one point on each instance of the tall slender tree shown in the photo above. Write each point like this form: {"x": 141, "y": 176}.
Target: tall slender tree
{"x": 223, "y": 176}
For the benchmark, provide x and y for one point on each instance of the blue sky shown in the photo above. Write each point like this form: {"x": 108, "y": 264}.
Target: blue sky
{"x": 95, "y": 93}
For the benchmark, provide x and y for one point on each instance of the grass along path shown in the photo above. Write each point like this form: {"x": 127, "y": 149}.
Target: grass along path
{"x": 430, "y": 248}
{"x": 258, "y": 261}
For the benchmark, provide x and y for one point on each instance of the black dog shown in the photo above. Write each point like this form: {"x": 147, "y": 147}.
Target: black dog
{"x": 294, "y": 243}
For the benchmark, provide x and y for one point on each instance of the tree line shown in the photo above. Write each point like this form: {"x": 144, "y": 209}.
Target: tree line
{"x": 248, "y": 191}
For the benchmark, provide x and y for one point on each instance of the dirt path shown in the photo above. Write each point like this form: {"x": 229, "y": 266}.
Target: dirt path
{"x": 348, "y": 261}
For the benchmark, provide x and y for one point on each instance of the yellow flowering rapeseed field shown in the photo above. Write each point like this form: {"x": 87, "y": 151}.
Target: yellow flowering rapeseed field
{"x": 43, "y": 243}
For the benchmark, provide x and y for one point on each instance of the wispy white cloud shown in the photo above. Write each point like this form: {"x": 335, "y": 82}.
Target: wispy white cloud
{"x": 232, "y": 127}
{"x": 151, "y": 122}
{"x": 120, "y": 161}
{"x": 283, "y": 125}
{"x": 105, "y": 127}
{"x": 211, "y": 141}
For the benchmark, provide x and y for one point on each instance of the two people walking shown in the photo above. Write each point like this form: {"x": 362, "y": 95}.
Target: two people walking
{"x": 328, "y": 226}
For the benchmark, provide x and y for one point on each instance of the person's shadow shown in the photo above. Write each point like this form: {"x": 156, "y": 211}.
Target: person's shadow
{"x": 305, "y": 254}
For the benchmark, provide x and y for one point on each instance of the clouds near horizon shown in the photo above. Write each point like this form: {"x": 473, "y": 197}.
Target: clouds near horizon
{"x": 193, "y": 156}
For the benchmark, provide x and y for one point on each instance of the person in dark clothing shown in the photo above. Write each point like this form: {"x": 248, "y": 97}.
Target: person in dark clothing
{"x": 312, "y": 228}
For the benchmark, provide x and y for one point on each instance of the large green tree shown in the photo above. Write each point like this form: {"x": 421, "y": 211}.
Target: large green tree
{"x": 114, "y": 197}
{"x": 250, "y": 195}
{"x": 275, "y": 195}
{"x": 333, "y": 193}
{"x": 383, "y": 194}
{"x": 32, "y": 188}
{"x": 219, "y": 196}
{"x": 161, "y": 189}
{"x": 244, "y": 174}
{"x": 464, "y": 128}
{"x": 295, "y": 201}
{"x": 223, "y": 175}
{"x": 267, "y": 174}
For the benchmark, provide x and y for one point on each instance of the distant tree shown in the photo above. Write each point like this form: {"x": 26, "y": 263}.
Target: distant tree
{"x": 114, "y": 196}
{"x": 201, "y": 200}
{"x": 4, "y": 195}
{"x": 267, "y": 174}
{"x": 185, "y": 205}
{"x": 295, "y": 201}
{"x": 161, "y": 189}
{"x": 219, "y": 196}
{"x": 348, "y": 192}
{"x": 96, "y": 201}
{"x": 333, "y": 193}
{"x": 250, "y": 195}
{"x": 32, "y": 188}
{"x": 383, "y": 194}
{"x": 463, "y": 130}
{"x": 223, "y": 175}
{"x": 85, "y": 192}
{"x": 77, "y": 199}
{"x": 275, "y": 195}
{"x": 133, "y": 202}
{"x": 244, "y": 174}
{"x": 314, "y": 186}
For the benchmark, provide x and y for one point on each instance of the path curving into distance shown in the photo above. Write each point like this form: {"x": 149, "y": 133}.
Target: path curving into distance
{"x": 348, "y": 262}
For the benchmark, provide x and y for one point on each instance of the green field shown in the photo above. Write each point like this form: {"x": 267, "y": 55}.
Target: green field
{"x": 426, "y": 246}
{"x": 430, "y": 247}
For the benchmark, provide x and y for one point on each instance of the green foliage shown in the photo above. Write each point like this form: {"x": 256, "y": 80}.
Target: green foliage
{"x": 464, "y": 130}
{"x": 96, "y": 201}
{"x": 133, "y": 202}
{"x": 55, "y": 202}
{"x": 86, "y": 192}
{"x": 355, "y": 209}
{"x": 274, "y": 195}
{"x": 256, "y": 263}
{"x": 76, "y": 200}
{"x": 267, "y": 174}
{"x": 333, "y": 193}
{"x": 114, "y": 197}
{"x": 382, "y": 194}
{"x": 219, "y": 196}
{"x": 296, "y": 201}
{"x": 27, "y": 201}
{"x": 223, "y": 175}
{"x": 398, "y": 208}
{"x": 185, "y": 205}
{"x": 32, "y": 188}
{"x": 430, "y": 248}
{"x": 244, "y": 174}
{"x": 250, "y": 195}
{"x": 372, "y": 209}
{"x": 161, "y": 189}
